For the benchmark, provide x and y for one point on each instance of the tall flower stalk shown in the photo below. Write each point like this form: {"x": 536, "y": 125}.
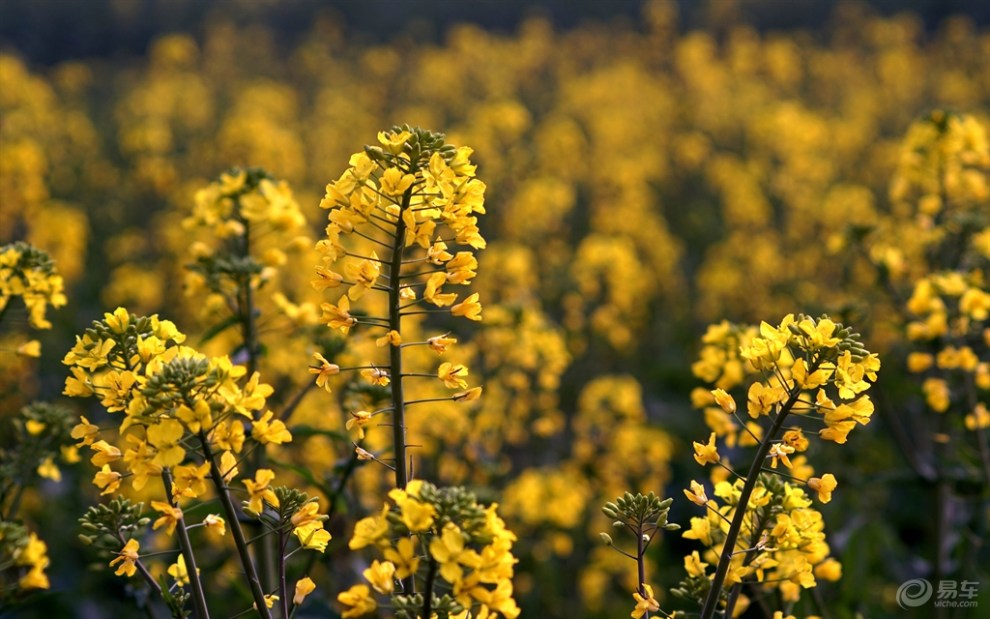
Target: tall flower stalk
{"x": 411, "y": 198}
{"x": 766, "y": 531}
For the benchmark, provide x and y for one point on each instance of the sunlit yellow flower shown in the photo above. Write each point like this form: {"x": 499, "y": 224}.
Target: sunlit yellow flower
{"x": 359, "y": 601}
{"x": 266, "y": 431}
{"x": 304, "y": 586}
{"x": 823, "y": 486}
{"x": 979, "y": 418}
{"x": 469, "y": 308}
{"x": 31, "y": 348}
{"x": 404, "y": 556}
{"x": 795, "y": 438}
{"x": 179, "y": 572}
{"x": 417, "y": 515}
{"x": 171, "y": 516}
{"x": 338, "y": 316}
{"x": 376, "y": 376}
{"x": 312, "y": 536}
{"x": 706, "y": 453}
{"x": 324, "y": 371}
{"x": 216, "y": 524}
{"x": 393, "y": 141}
{"x": 830, "y": 570}
{"x": 696, "y": 494}
{"x": 452, "y": 375}
{"x": 467, "y": 396}
{"x": 107, "y": 479}
{"x": 269, "y": 601}
{"x": 449, "y": 551}
{"x": 229, "y": 435}
{"x": 392, "y": 338}
{"x": 127, "y": 558}
{"x": 780, "y": 451}
{"x": 357, "y": 422}
{"x": 369, "y": 530}
{"x": 439, "y": 343}
{"x": 937, "y": 394}
{"x": 432, "y": 294}
{"x": 105, "y": 453}
{"x": 381, "y": 575}
{"x": 85, "y": 432}
{"x": 49, "y": 470}
{"x": 724, "y": 400}
{"x": 189, "y": 481}
{"x": 644, "y": 604}
{"x": 259, "y": 490}
{"x": 394, "y": 182}
{"x": 197, "y": 418}
{"x": 228, "y": 466}
{"x": 165, "y": 437}
{"x": 693, "y": 564}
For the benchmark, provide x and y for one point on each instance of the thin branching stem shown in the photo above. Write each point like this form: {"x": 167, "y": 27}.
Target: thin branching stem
{"x": 195, "y": 583}
{"x": 711, "y": 602}
{"x": 235, "y": 529}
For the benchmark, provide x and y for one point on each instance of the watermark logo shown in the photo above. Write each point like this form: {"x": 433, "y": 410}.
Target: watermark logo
{"x": 951, "y": 593}
{"x": 914, "y": 593}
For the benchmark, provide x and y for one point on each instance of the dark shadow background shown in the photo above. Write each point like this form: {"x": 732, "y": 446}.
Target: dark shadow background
{"x": 46, "y": 32}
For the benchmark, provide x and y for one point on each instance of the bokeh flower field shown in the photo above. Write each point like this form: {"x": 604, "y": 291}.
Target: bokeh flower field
{"x": 336, "y": 325}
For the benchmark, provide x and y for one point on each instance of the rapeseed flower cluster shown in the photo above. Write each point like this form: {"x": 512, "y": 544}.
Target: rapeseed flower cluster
{"x": 600, "y": 227}
{"x": 23, "y": 560}
{"x": 30, "y": 274}
{"x": 414, "y": 198}
{"x": 457, "y": 551}
{"x": 35, "y": 440}
{"x": 188, "y": 421}
{"x": 806, "y": 378}
{"x": 244, "y": 225}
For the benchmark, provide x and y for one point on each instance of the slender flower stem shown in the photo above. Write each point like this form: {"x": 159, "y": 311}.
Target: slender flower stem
{"x": 783, "y": 474}
{"x": 282, "y": 587}
{"x": 148, "y": 578}
{"x": 372, "y": 239}
{"x": 711, "y": 602}
{"x": 395, "y": 363}
{"x": 428, "y": 588}
{"x": 235, "y": 529}
{"x": 429, "y": 400}
{"x": 641, "y": 565}
{"x": 249, "y": 333}
{"x": 199, "y": 598}
{"x": 395, "y": 352}
{"x": 747, "y": 559}
{"x": 429, "y": 311}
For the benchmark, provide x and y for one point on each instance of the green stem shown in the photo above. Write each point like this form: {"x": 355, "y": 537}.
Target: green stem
{"x": 395, "y": 353}
{"x": 428, "y": 588}
{"x": 282, "y": 588}
{"x": 711, "y": 602}
{"x": 747, "y": 559}
{"x": 641, "y": 565}
{"x": 249, "y": 333}
{"x": 235, "y": 529}
{"x": 15, "y": 504}
{"x": 395, "y": 364}
{"x": 198, "y": 597}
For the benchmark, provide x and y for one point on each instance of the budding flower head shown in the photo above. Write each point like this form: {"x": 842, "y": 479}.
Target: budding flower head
{"x": 725, "y": 401}
{"x": 696, "y": 494}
